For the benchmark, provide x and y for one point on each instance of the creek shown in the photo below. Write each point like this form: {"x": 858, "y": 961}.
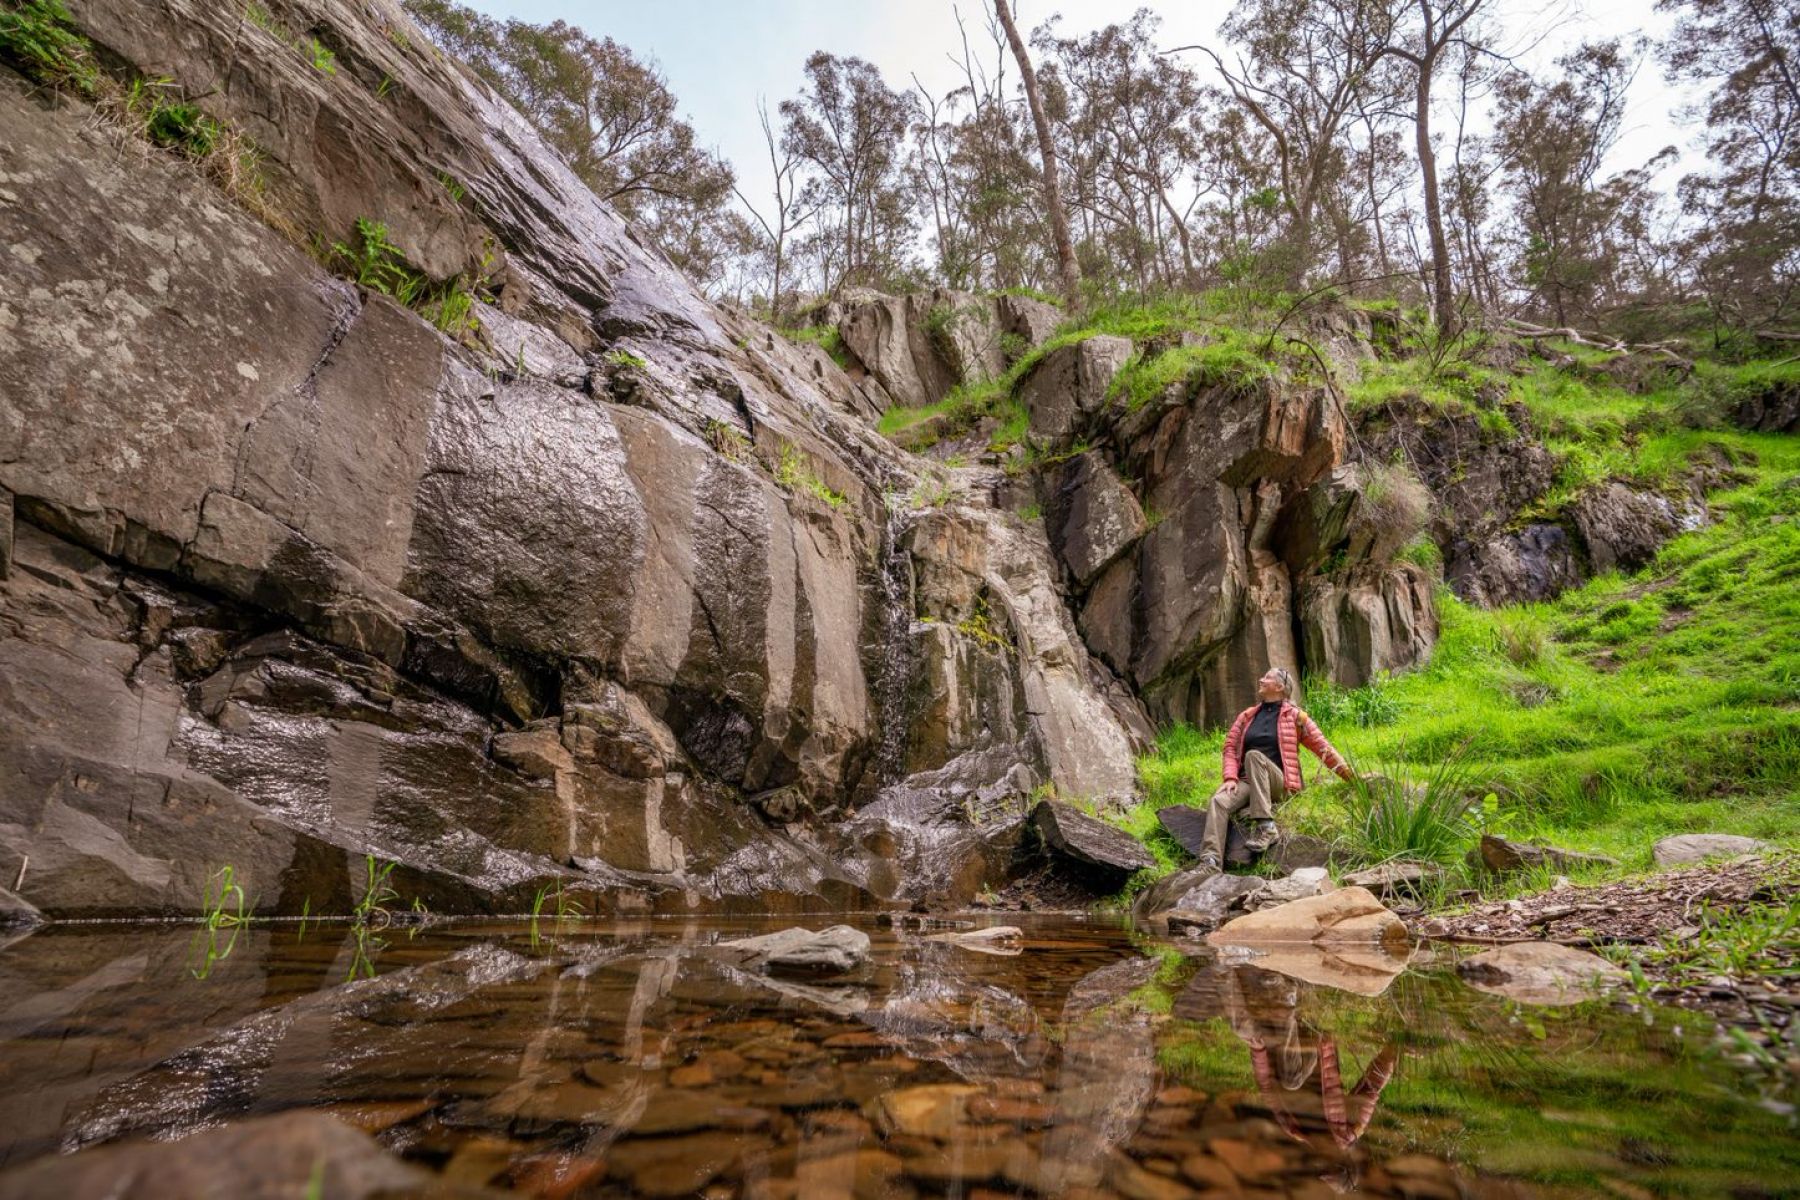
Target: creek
{"x": 618, "y": 1057}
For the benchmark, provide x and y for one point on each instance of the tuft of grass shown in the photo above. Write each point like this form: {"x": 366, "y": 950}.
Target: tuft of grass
{"x": 1411, "y": 813}
{"x": 1229, "y": 358}
{"x": 377, "y": 892}
{"x": 372, "y": 261}
{"x": 40, "y": 39}
{"x": 626, "y": 359}
{"x": 793, "y": 473}
{"x": 156, "y": 110}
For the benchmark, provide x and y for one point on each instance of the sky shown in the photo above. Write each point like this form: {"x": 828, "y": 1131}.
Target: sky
{"x": 721, "y": 56}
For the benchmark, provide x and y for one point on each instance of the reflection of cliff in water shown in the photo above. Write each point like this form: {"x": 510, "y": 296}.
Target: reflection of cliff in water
{"x": 627, "y": 1058}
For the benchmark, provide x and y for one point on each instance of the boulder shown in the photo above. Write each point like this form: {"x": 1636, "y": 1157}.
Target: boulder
{"x": 1697, "y": 847}
{"x": 1086, "y": 842}
{"x": 1347, "y": 915}
{"x": 1296, "y": 851}
{"x": 1773, "y": 407}
{"x": 1623, "y": 527}
{"x": 1498, "y": 856}
{"x": 1030, "y": 320}
{"x": 1202, "y": 896}
{"x": 1535, "y": 563}
{"x": 1069, "y": 385}
{"x": 1540, "y": 973}
{"x": 835, "y": 950}
{"x": 292, "y": 1154}
{"x": 1307, "y": 881}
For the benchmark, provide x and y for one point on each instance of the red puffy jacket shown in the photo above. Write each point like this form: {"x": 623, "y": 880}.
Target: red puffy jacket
{"x": 1293, "y": 729}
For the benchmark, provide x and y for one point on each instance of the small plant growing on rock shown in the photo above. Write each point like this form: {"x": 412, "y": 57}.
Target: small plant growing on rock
{"x": 320, "y": 55}
{"x": 38, "y": 37}
{"x": 626, "y": 359}
{"x": 725, "y": 439}
{"x": 377, "y": 893}
{"x": 794, "y": 474}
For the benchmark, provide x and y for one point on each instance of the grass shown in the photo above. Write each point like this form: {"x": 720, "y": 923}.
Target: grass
{"x": 626, "y": 359}
{"x": 1626, "y": 710}
{"x": 826, "y": 338}
{"x": 1229, "y": 358}
{"x": 794, "y": 474}
{"x": 377, "y": 891}
{"x": 40, "y": 39}
{"x": 372, "y": 261}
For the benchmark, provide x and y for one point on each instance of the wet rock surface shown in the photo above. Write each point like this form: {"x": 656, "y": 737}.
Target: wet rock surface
{"x": 501, "y": 608}
{"x": 582, "y": 1057}
{"x": 1089, "y": 843}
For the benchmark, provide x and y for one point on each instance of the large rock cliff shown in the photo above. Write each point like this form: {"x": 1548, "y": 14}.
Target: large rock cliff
{"x": 604, "y": 585}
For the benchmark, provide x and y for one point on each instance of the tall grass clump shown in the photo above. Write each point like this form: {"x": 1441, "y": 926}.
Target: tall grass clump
{"x": 39, "y": 38}
{"x": 1404, "y": 812}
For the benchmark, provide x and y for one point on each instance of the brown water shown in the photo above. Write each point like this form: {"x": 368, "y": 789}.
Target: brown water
{"x": 612, "y": 1058}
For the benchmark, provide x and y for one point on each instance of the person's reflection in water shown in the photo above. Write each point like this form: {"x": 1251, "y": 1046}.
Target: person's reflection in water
{"x": 1285, "y": 1054}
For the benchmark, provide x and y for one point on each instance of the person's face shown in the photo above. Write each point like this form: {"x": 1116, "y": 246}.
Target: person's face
{"x": 1269, "y": 687}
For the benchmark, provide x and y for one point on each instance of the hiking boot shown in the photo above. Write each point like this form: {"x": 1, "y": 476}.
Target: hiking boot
{"x": 1262, "y": 835}
{"x": 1210, "y": 860}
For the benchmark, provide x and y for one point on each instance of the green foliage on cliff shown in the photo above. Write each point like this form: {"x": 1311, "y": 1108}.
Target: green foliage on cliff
{"x": 39, "y": 38}
{"x": 1629, "y": 709}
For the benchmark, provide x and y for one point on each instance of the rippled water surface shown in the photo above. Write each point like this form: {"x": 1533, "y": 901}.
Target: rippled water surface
{"x": 618, "y": 1058}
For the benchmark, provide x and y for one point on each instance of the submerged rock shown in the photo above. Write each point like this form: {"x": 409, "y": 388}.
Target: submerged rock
{"x": 292, "y": 1154}
{"x": 1697, "y": 847}
{"x": 1546, "y": 973}
{"x": 995, "y": 939}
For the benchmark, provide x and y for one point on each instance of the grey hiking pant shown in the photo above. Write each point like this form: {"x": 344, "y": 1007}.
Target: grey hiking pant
{"x": 1258, "y": 790}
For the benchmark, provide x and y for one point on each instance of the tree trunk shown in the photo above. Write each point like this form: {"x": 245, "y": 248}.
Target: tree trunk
{"x": 1059, "y": 222}
{"x": 1443, "y": 299}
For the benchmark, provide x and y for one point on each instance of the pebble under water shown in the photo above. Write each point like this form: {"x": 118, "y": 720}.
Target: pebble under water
{"x": 616, "y": 1058}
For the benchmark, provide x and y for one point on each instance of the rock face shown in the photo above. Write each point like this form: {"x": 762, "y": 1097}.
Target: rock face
{"x": 1540, "y": 973}
{"x": 603, "y": 589}
{"x": 1697, "y": 847}
{"x": 919, "y": 346}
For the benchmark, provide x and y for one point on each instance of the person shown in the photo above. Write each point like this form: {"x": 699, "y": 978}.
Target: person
{"x": 1262, "y": 764}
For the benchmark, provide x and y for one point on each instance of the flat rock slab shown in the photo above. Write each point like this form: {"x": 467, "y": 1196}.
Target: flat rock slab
{"x": 832, "y": 951}
{"x": 1348, "y": 915}
{"x": 1540, "y": 973}
{"x": 1307, "y": 881}
{"x": 1395, "y": 878}
{"x": 1187, "y": 825}
{"x": 1498, "y": 856}
{"x": 1073, "y": 834}
{"x": 1698, "y": 847}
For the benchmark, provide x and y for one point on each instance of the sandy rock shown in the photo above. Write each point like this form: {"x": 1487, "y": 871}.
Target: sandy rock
{"x": 1540, "y": 973}
{"x": 1347, "y": 915}
{"x": 995, "y": 939}
{"x": 1696, "y": 847}
{"x": 830, "y": 951}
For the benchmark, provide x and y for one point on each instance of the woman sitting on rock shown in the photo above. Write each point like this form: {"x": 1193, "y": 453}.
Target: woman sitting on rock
{"x": 1262, "y": 764}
